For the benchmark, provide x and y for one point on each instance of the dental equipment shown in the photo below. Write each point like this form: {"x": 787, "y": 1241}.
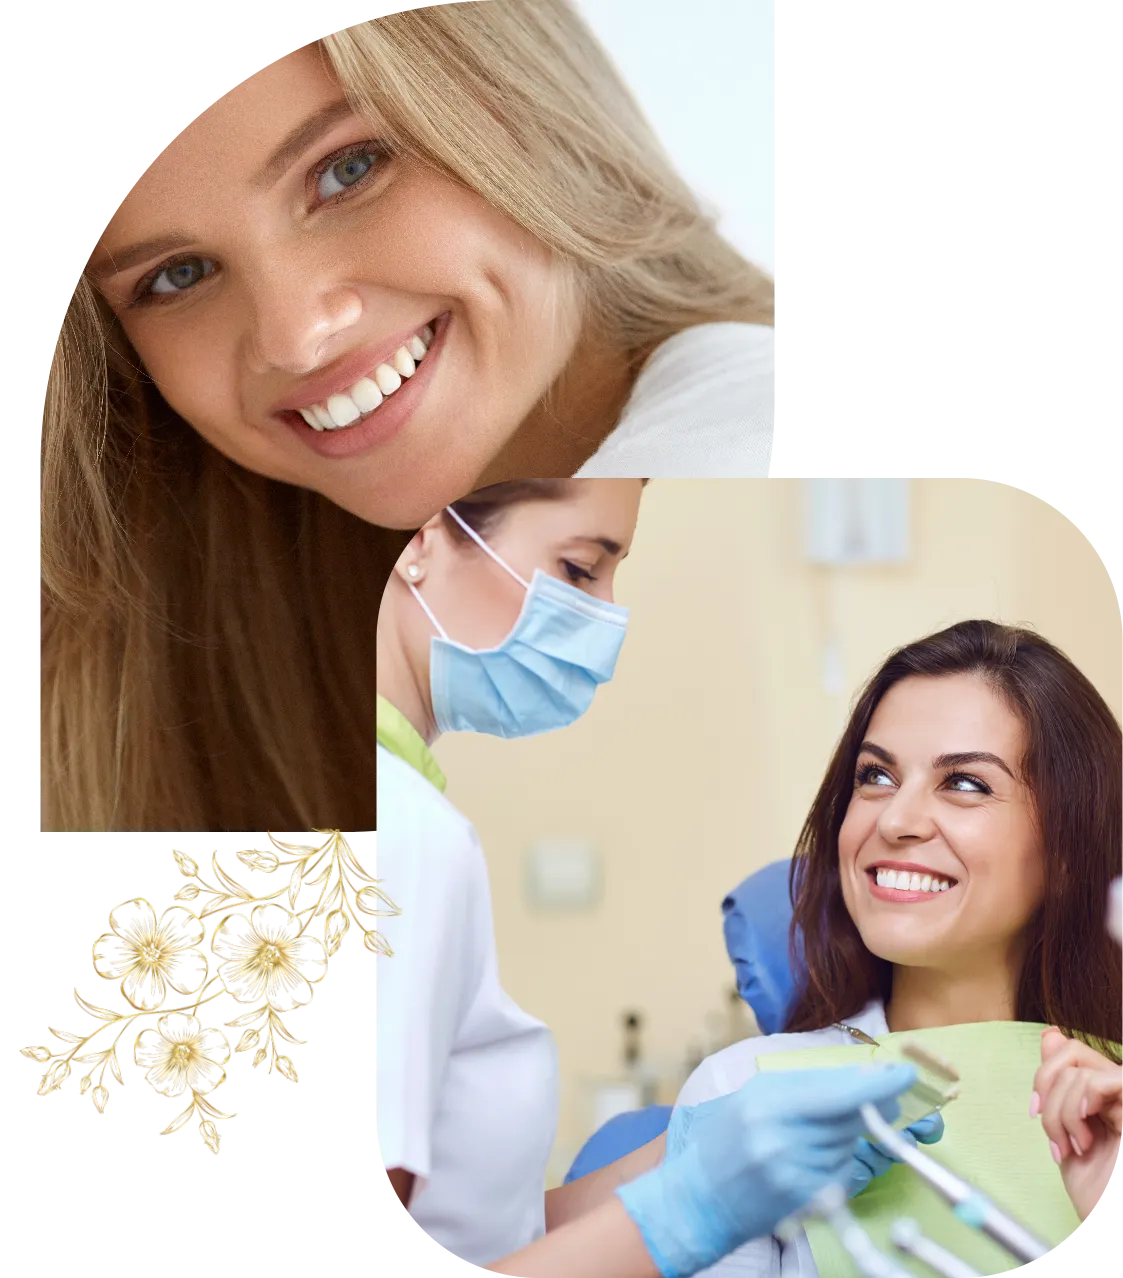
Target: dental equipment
{"x": 968, "y": 1204}
{"x": 829, "y": 1205}
{"x": 907, "y": 1237}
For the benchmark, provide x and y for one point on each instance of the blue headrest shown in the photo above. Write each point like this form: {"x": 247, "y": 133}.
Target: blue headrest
{"x": 758, "y": 914}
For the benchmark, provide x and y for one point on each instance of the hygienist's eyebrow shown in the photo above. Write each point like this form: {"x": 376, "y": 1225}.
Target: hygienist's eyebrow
{"x": 299, "y": 140}
{"x": 943, "y": 760}
{"x": 605, "y": 543}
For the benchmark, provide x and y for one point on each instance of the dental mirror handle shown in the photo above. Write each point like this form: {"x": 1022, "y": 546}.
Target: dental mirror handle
{"x": 907, "y": 1237}
{"x": 972, "y": 1207}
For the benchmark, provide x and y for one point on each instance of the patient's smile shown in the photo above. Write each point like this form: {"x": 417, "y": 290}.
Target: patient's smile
{"x": 905, "y": 882}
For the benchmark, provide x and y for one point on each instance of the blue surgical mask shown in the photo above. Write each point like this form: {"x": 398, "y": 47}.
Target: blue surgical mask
{"x": 542, "y": 676}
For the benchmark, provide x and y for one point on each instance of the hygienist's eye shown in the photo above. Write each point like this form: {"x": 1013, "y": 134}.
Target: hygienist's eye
{"x": 575, "y": 572}
{"x": 347, "y": 170}
{"x": 871, "y": 774}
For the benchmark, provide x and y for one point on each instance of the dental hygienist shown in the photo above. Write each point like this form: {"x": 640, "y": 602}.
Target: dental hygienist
{"x": 499, "y": 618}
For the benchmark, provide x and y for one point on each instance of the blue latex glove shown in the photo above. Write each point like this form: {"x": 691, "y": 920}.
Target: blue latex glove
{"x": 871, "y": 1161}
{"x": 781, "y": 1138}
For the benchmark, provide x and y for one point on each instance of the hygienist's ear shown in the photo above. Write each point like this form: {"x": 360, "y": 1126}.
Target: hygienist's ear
{"x": 416, "y": 557}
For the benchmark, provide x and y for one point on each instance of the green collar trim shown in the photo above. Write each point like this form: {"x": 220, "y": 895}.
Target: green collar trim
{"x": 400, "y": 737}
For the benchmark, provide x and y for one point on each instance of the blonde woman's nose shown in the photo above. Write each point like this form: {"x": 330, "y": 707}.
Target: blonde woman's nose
{"x": 294, "y": 323}
{"x": 906, "y": 817}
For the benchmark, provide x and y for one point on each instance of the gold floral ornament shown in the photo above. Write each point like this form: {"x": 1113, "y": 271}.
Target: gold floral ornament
{"x": 373, "y": 942}
{"x": 267, "y": 956}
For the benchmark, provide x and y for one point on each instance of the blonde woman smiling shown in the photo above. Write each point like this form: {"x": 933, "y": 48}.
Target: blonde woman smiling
{"x": 432, "y": 251}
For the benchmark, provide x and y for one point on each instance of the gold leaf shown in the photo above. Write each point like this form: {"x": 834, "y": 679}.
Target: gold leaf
{"x": 294, "y": 883}
{"x": 352, "y": 863}
{"x": 40, "y": 1054}
{"x": 285, "y": 1066}
{"x": 54, "y": 1077}
{"x": 248, "y": 1040}
{"x": 66, "y": 1036}
{"x": 275, "y": 1021}
{"x": 101, "y": 1098}
{"x": 102, "y": 1013}
{"x": 84, "y": 1087}
{"x": 331, "y": 899}
{"x": 335, "y": 929}
{"x": 205, "y": 1107}
{"x": 228, "y": 883}
{"x": 369, "y": 900}
{"x": 94, "y": 1058}
{"x": 187, "y": 893}
{"x": 115, "y": 1067}
{"x": 247, "y": 1017}
{"x": 209, "y": 1133}
{"x": 258, "y": 1058}
{"x": 267, "y": 862}
{"x": 177, "y": 1123}
{"x": 377, "y": 944}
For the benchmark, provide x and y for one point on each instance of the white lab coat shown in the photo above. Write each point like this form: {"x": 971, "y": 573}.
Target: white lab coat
{"x": 467, "y": 1082}
{"x": 727, "y": 1070}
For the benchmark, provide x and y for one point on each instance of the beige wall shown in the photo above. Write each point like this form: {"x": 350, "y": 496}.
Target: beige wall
{"x": 697, "y": 764}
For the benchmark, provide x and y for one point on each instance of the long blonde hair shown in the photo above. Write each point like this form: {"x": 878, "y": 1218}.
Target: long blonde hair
{"x": 208, "y": 634}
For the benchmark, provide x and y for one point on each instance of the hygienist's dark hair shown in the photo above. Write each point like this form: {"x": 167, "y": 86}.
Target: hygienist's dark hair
{"x": 484, "y": 508}
{"x": 1071, "y": 973}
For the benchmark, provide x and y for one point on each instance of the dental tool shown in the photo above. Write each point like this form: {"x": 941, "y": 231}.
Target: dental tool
{"x": 830, "y": 1205}
{"x": 968, "y": 1204}
{"x": 907, "y": 1237}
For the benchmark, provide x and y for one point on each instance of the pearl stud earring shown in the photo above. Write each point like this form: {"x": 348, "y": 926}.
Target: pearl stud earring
{"x": 413, "y": 572}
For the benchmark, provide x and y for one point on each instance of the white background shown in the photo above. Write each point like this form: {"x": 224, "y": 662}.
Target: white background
{"x": 702, "y": 70}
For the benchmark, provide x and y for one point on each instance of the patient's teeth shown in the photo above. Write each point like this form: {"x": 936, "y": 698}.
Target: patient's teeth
{"x": 926, "y": 883}
{"x": 403, "y": 362}
{"x": 310, "y": 417}
{"x": 323, "y": 417}
{"x": 416, "y": 347}
{"x": 891, "y": 878}
{"x": 427, "y": 334}
{"x": 367, "y": 395}
{"x": 387, "y": 378}
{"x": 944, "y": 885}
{"x": 343, "y": 410}
{"x": 914, "y": 883}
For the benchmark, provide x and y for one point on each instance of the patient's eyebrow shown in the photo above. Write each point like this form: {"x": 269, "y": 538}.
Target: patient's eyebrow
{"x": 298, "y": 141}
{"x": 958, "y": 760}
{"x": 103, "y": 266}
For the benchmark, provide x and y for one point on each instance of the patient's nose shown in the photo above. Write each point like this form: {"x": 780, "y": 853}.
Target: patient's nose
{"x": 907, "y": 817}
{"x": 297, "y": 312}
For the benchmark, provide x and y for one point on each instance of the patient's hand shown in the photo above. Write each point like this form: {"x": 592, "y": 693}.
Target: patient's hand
{"x": 1079, "y": 1094}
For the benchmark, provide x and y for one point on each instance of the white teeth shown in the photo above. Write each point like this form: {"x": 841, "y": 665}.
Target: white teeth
{"x": 403, "y": 362}
{"x": 367, "y": 395}
{"x": 343, "y": 410}
{"x": 388, "y": 379}
{"x": 904, "y": 881}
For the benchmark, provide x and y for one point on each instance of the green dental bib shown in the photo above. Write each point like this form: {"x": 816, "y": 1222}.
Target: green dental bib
{"x": 989, "y": 1139}
{"x": 400, "y": 737}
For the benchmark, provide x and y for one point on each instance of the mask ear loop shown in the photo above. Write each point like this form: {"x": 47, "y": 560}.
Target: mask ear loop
{"x": 487, "y": 549}
{"x": 428, "y": 611}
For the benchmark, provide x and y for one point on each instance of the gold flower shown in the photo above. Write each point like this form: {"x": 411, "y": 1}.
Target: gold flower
{"x": 150, "y": 955}
{"x": 180, "y": 1054}
{"x": 263, "y": 961}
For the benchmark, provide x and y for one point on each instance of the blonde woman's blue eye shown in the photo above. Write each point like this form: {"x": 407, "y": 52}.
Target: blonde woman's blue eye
{"x": 344, "y": 173}
{"x": 181, "y": 275}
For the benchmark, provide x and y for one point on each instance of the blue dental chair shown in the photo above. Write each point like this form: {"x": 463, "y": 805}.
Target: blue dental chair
{"x": 757, "y": 916}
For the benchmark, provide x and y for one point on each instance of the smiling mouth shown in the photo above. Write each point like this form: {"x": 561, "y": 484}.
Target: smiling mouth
{"x": 908, "y": 884}
{"x": 369, "y": 393}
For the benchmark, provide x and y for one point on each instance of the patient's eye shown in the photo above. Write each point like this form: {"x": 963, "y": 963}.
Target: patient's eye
{"x": 873, "y": 774}
{"x": 966, "y": 784}
{"x": 347, "y": 170}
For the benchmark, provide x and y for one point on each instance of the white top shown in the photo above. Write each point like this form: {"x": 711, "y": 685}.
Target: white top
{"x": 727, "y": 1070}
{"x": 701, "y": 408}
{"x": 467, "y": 1082}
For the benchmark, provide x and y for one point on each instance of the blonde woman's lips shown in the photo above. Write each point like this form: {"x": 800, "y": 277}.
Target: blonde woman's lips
{"x": 368, "y": 397}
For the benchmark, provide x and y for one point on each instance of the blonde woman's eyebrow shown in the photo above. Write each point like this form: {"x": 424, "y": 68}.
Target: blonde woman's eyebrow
{"x": 299, "y": 140}
{"x": 104, "y": 266}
